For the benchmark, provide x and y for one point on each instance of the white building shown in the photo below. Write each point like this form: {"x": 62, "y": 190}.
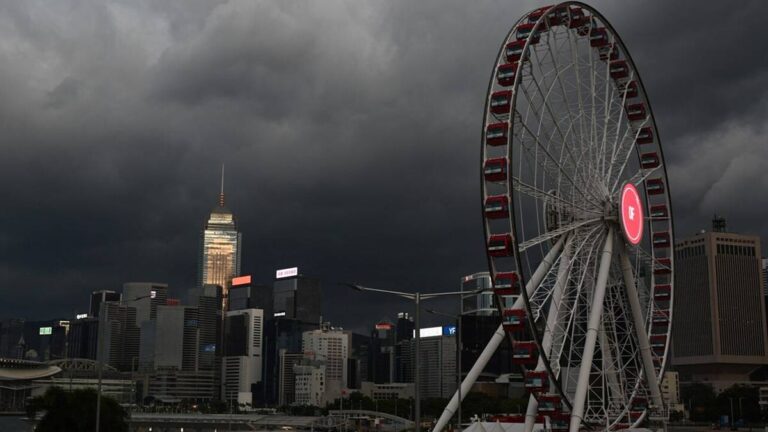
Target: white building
{"x": 331, "y": 346}
{"x": 309, "y": 384}
{"x": 241, "y": 364}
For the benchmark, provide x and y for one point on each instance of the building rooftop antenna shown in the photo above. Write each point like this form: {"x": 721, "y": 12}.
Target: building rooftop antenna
{"x": 221, "y": 192}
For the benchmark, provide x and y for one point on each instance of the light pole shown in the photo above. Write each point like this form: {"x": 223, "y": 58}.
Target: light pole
{"x": 458, "y": 357}
{"x": 100, "y": 351}
{"x": 417, "y": 297}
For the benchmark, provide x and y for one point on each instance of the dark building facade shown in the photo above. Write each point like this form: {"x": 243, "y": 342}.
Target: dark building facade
{"x": 298, "y": 297}
{"x": 719, "y": 328}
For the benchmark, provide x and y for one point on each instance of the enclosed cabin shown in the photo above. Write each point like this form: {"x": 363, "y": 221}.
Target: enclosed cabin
{"x": 598, "y": 37}
{"x": 661, "y": 240}
{"x": 630, "y": 87}
{"x": 559, "y": 16}
{"x": 500, "y": 245}
{"x": 524, "y": 352}
{"x": 654, "y": 186}
{"x": 610, "y": 52}
{"x": 637, "y": 407}
{"x": 495, "y": 170}
{"x": 536, "y": 381}
{"x": 501, "y": 102}
{"x": 538, "y": 13}
{"x": 659, "y": 212}
{"x": 496, "y": 133}
{"x": 658, "y": 344}
{"x": 513, "y": 319}
{"x": 618, "y": 69}
{"x": 662, "y": 293}
{"x": 497, "y": 207}
{"x": 525, "y": 30}
{"x": 513, "y": 52}
{"x": 559, "y": 422}
{"x": 549, "y": 403}
{"x": 644, "y": 135}
{"x": 636, "y": 112}
{"x": 660, "y": 321}
{"x": 650, "y": 160}
{"x": 506, "y": 284}
{"x": 506, "y": 73}
{"x": 662, "y": 267}
{"x": 577, "y": 18}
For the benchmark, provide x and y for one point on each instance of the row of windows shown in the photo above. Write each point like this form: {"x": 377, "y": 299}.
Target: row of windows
{"x": 690, "y": 251}
{"x": 728, "y": 249}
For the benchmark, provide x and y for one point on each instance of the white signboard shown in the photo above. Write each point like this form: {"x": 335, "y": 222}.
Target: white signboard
{"x": 288, "y": 272}
{"x": 81, "y": 316}
{"x": 429, "y": 332}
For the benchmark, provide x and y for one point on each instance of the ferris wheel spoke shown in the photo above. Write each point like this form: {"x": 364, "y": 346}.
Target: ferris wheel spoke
{"x": 560, "y": 168}
{"x": 556, "y": 233}
{"x": 620, "y": 116}
{"x": 639, "y": 327}
{"x": 556, "y": 124}
{"x": 539, "y": 194}
{"x": 627, "y": 154}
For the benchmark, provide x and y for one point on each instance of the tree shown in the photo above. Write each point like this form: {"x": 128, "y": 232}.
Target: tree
{"x": 75, "y": 411}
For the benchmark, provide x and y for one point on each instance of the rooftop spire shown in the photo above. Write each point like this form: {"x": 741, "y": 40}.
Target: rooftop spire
{"x": 221, "y": 193}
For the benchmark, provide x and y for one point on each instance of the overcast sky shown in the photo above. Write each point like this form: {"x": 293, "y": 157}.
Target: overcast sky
{"x": 349, "y": 130}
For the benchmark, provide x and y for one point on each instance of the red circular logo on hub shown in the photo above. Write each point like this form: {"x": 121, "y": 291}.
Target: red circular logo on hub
{"x": 631, "y": 214}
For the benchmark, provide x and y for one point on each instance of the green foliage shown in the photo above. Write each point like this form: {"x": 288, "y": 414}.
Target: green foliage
{"x": 75, "y": 411}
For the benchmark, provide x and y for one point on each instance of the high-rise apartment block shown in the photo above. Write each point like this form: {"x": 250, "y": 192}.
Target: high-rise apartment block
{"x": 719, "y": 330}
{"x": 331, "y": 346}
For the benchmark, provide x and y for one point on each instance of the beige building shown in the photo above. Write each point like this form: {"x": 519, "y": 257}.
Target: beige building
{"x": 719, "y": 329}
{"x": 387, "y": 391}
{"x": 670, "y": 391}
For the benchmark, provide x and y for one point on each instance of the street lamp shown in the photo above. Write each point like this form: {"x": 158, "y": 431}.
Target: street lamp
{"x": 100, "y": 351}
{"x": 417, "y": 297}
{"x": 459, "y": 348}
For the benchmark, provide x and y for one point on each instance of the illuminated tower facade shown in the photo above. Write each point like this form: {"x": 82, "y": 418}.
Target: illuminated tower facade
{"x": 220, "y": 247}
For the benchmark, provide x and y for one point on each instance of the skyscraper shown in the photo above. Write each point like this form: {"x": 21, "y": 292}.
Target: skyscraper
{"x": 220, "y": 246}
{"x": 719, "y": 322}
{"x": 242, "y": 363}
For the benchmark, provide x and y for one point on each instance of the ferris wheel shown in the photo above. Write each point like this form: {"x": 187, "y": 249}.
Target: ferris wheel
{"x": 578, "y": 222}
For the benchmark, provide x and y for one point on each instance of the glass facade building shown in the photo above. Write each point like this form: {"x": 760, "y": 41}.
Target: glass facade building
{"x": 220, "y": 249}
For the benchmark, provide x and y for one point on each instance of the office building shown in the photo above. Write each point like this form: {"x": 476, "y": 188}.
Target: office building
{"x": 120, "y": 337}
{"x": 360, "y": 352}
{"x": 719, "y": 321}
{"x": 11, "y": 333}
{"x": 287, "y": 377}
{"x": 382, "y": 362}
{"x": 243, "y": 294}
{"x": 331, "y": 346}
{"x": 479, "y": 321}
{"x": 670, "y": 391}
{"x": 297, "y": 297}
{"x": 437, "y": 361}
{"x": 765, "y": 276}
{"x": 163, "y": 341}
{"x": 145, "y": 297}
{"x": 242, "y": 362}
{"x": 220, "y": 247}
{"x": 208, "y": 300}
{"x": 99, "y": 297}
{"x": 82, "y": 338}
{"x": 310, "y": 381}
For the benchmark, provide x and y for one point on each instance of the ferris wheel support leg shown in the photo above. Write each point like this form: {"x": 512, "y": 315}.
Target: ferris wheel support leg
{"x": 639, "y": 324}
{"x": 553, "y": 314}
{"x": 496, "y": 339}
{"x": 593, "y": 326}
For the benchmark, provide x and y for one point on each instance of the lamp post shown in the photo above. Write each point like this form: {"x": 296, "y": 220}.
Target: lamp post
{"x": 100, "y": 351}
{"x": 458, "y": 356}
{"x": 416, "y": 297}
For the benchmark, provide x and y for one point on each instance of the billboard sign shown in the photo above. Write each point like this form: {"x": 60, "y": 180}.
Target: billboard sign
{"x": 287, "y": 272}
{"x": 81, "y": 316}
{"x": 242, "y": 280}
{"x": 46, "y": 330}
{"x": 449, "y": 330}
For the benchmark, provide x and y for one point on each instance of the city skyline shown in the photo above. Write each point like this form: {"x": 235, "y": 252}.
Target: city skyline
{"x": 122, "y": 199}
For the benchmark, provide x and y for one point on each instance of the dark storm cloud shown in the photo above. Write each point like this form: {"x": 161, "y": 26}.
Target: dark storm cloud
{"x": 349, "y": 129}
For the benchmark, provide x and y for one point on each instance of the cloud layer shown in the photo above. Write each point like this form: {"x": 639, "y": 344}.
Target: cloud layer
{"x": 349, "y": 129}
